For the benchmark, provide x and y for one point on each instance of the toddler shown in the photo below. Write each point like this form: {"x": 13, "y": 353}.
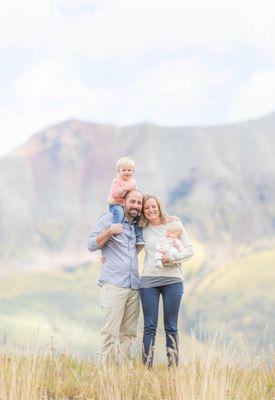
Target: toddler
{"x": 170, "y": 243}
{"x": 123, "y": 183}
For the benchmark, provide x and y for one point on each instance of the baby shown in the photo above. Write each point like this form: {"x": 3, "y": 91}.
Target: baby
{"x": 123, "y": 183}
{"x": 170, "y": 243}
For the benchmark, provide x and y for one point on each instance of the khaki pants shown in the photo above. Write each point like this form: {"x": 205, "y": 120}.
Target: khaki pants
{"x": 120, "y": 308}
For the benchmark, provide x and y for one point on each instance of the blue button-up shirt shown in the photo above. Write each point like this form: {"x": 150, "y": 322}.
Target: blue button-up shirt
{"x": 121, "y": 264}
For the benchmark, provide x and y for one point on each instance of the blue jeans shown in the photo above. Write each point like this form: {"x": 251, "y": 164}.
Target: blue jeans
{"x": 171, "y": 296}
{"x": 118, "y": 214}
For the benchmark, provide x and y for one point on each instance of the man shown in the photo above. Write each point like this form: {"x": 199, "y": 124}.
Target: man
{"x": 119, "y": 279}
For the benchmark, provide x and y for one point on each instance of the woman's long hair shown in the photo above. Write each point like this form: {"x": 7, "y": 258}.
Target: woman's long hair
{"x": 162, "y": 214}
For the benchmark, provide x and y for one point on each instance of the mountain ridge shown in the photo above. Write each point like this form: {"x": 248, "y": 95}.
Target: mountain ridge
{"x": 267, "y": 117}
{"x": 219, "y": 180}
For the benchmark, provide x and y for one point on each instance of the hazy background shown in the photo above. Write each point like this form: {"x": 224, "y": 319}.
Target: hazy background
{"x": 124, "y": 62}
{"x": 188, "y": 91}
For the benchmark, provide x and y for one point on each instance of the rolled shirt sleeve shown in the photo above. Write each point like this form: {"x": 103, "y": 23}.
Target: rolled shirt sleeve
{"x": 102, "y": 224}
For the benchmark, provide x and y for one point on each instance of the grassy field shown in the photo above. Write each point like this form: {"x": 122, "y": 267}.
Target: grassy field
{"x": 206, "y": 374}
{"x": 60, "y": 308}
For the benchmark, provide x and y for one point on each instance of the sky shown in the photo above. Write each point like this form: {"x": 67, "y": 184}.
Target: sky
{"x": 176, "y": 62}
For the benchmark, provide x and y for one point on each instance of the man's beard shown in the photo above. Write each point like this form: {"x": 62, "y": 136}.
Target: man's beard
{"x": 132, "y": 212}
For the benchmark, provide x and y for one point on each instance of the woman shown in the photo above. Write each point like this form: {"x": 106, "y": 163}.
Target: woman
{"x": 166, "y": 281}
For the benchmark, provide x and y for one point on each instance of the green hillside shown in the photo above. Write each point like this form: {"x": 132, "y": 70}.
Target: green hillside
{"x": 58, "y": 306}
{"x": 62, "y": 306}
{"x": 237, "y": 297}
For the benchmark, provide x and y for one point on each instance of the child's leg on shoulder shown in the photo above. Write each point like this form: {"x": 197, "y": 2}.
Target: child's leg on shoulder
{"x": 138, "y": 232}
{"x": 118, "y": 213}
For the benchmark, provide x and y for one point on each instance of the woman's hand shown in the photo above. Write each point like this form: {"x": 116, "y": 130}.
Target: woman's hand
{"x": 173, "y": 218}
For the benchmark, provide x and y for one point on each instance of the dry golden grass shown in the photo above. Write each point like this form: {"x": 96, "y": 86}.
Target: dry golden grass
{"x": 206, "y": 374}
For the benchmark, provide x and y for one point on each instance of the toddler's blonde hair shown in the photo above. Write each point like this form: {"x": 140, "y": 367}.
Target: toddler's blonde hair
{"x": 124, "y": 161}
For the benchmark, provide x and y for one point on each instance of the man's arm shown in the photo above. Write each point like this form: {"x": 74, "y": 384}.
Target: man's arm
{"x": 102, "y": 233}
{"x": 104, "y": 236}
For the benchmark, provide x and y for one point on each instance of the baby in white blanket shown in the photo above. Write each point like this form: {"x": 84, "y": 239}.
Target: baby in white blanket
{"x": 170, "y": 244}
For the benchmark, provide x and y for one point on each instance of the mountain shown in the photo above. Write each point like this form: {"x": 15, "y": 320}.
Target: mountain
{"x": 220, "y": 180}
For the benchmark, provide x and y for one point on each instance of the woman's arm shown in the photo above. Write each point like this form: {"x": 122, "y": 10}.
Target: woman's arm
{"x": 187, "y": 251}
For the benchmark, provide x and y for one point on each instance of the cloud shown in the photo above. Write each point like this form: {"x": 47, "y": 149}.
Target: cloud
{"x": 48, "y": 92}
{"x": 173, "y": 91}
{"x": 122, "y": 62}
{"x": 127, "y": 28}
{"x": 255, "y": 97}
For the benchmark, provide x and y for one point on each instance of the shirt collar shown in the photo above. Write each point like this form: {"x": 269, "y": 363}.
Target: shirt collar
{"x": 125, "y": 220}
